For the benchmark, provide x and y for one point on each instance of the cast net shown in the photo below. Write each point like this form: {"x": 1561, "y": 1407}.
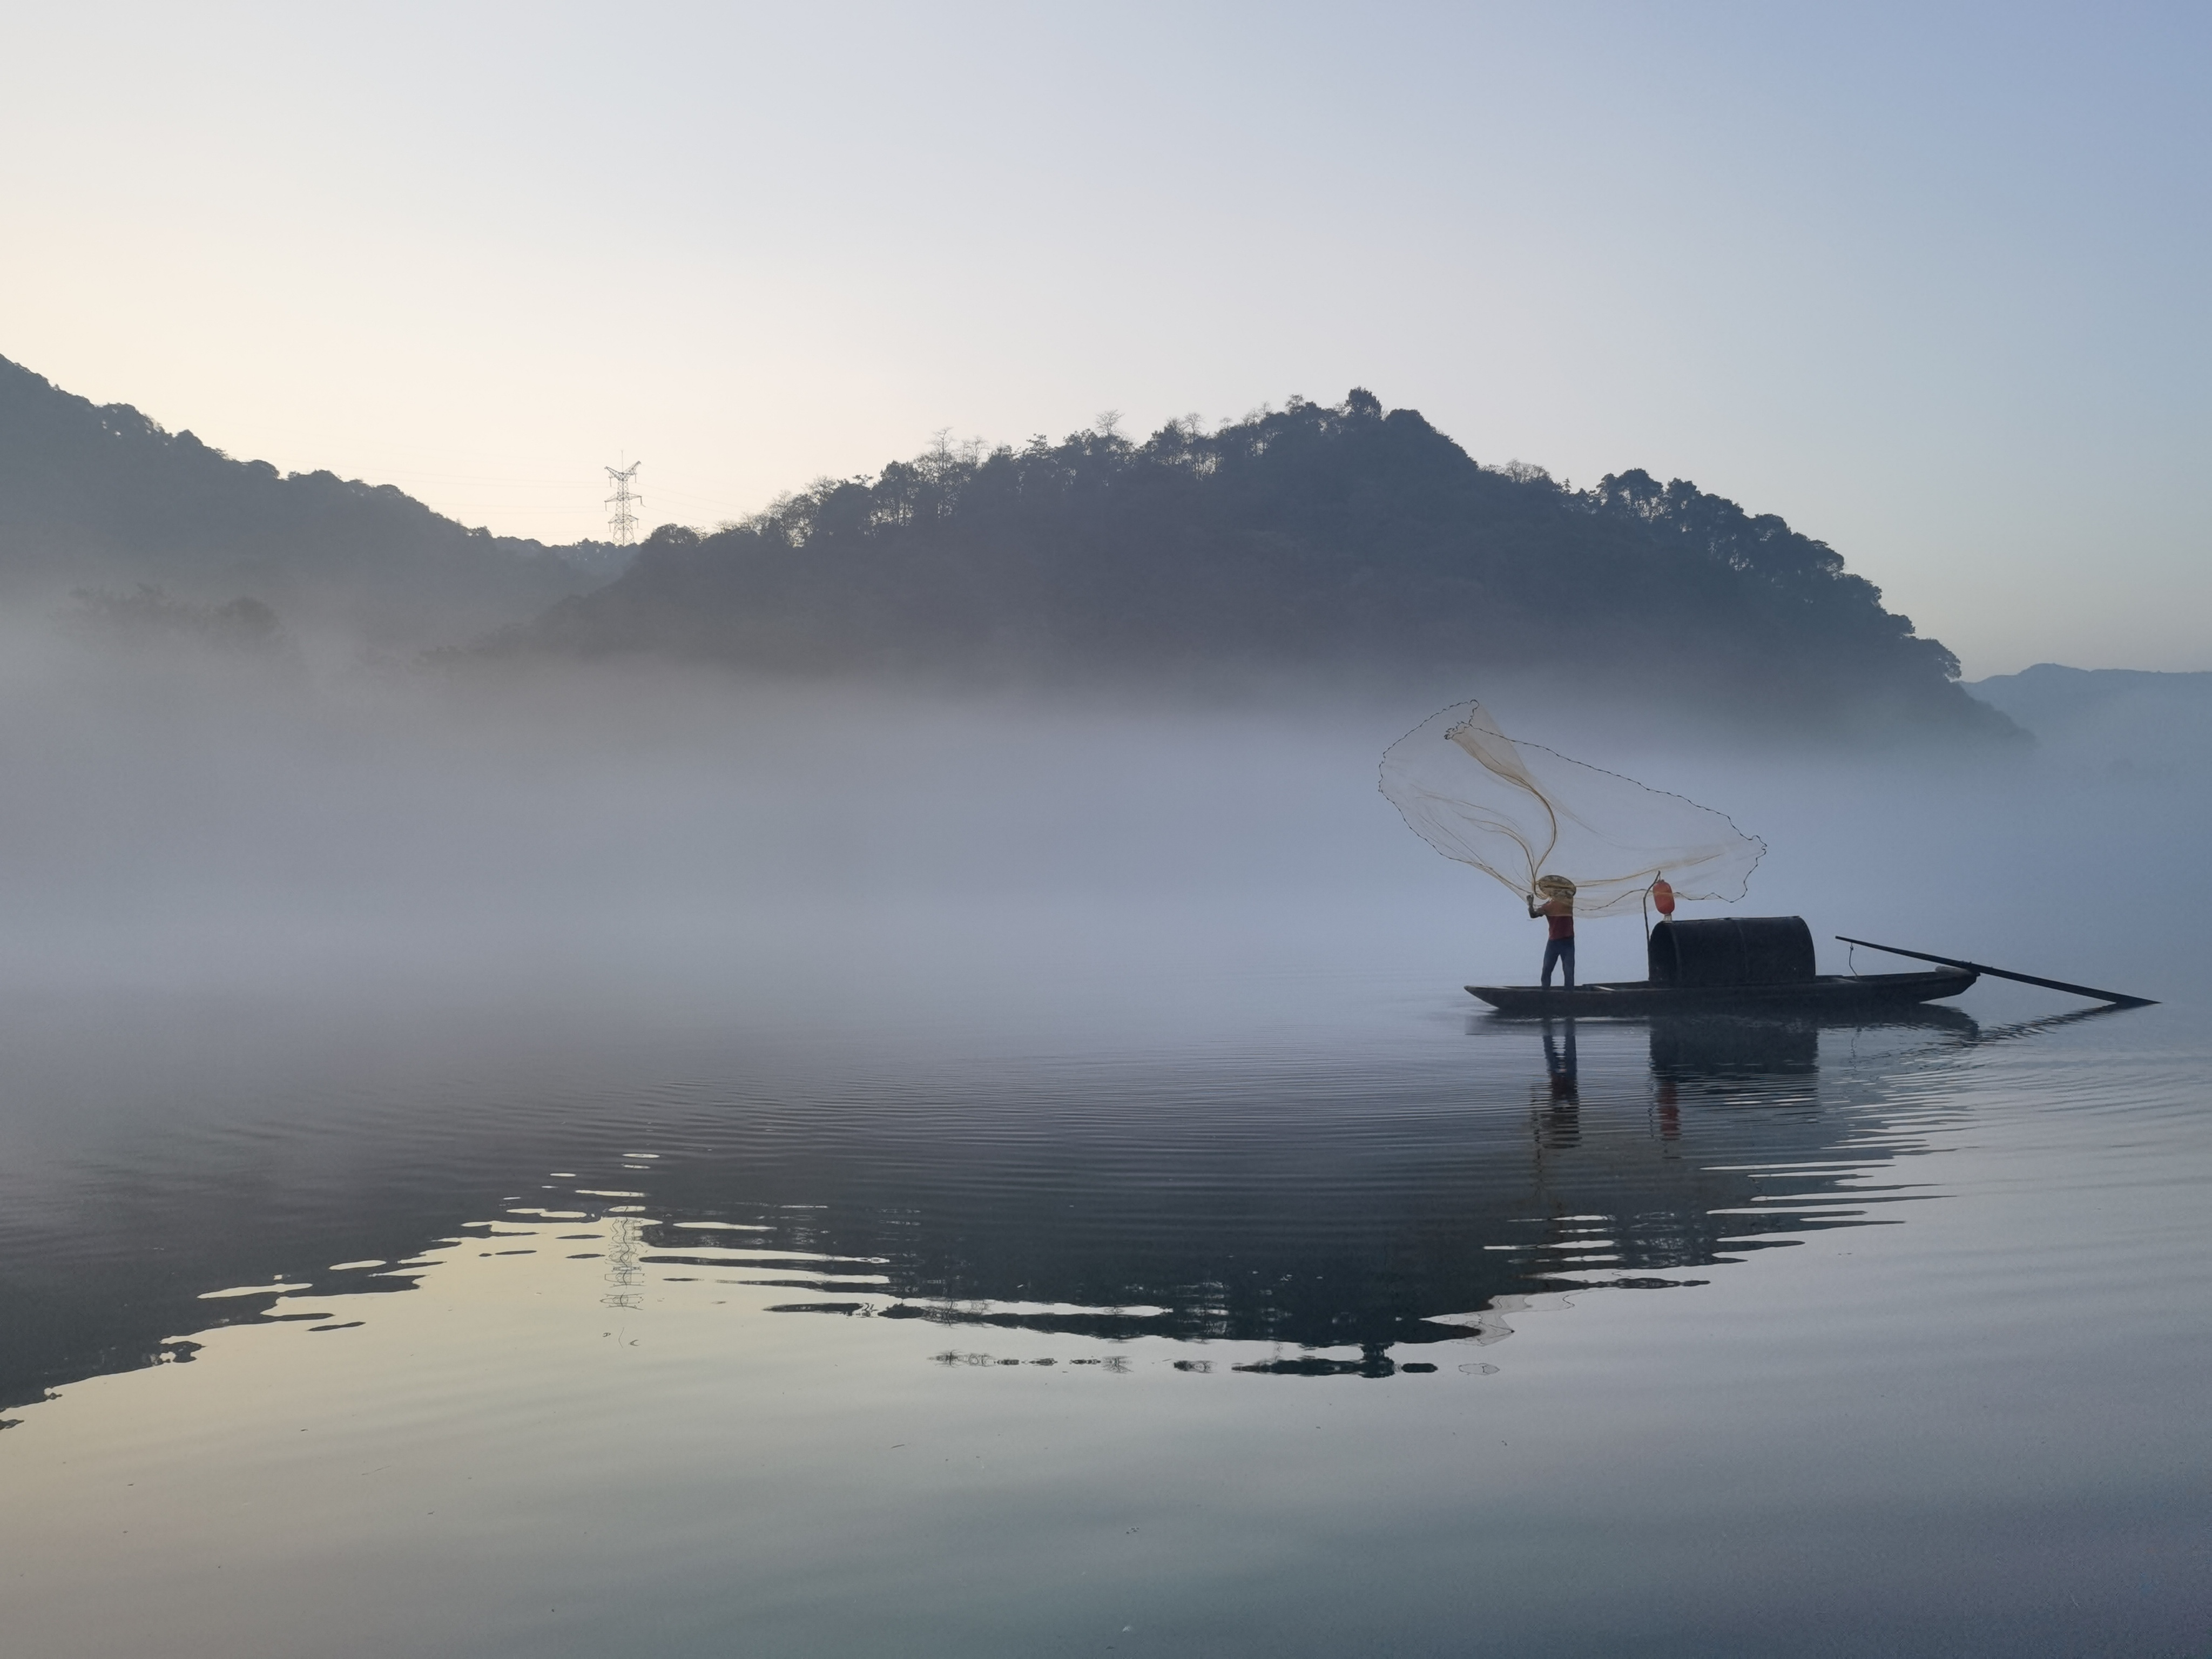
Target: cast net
{"x": 1517, "y": 810}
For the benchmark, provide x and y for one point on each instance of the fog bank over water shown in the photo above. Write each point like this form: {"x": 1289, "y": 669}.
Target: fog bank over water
{"x": 203, "y": 816}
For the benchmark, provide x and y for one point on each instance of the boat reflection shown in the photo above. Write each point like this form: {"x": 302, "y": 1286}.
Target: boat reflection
{"x": 1713, "y": 1049}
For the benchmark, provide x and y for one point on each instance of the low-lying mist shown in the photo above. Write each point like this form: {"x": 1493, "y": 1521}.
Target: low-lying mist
{"x": 668, "y": 839}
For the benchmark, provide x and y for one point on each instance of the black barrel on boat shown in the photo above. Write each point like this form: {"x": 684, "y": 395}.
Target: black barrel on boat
{"x": 1732, "y": 950}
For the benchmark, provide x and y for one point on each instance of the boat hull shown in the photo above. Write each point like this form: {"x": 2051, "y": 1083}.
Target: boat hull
{"x": 1825, "y": 993}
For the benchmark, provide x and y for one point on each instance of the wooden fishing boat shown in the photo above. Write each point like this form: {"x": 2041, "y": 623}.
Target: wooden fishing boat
{"x": 1733, "y": 964}
{"x": 1841, "y": 993}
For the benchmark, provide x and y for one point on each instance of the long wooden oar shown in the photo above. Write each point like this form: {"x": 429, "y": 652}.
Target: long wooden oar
{"x": 2112, "y": 997}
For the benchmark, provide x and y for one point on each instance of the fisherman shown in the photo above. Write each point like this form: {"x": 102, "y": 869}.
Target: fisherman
{"x": 1558, "y": 909}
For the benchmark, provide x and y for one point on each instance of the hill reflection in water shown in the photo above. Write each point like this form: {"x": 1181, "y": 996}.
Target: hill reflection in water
{"x": 1320, "y": 1212}
{"x": 1339, "y": 1202}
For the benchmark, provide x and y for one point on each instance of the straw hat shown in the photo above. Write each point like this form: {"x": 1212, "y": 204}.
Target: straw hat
{"x": 1556, "y": 884}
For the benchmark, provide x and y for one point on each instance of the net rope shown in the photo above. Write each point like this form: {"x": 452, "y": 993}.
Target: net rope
{"x": 1518, "y": 812}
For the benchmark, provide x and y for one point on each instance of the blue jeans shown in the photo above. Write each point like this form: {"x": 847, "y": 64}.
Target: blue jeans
{"x": 1560, "y": 951}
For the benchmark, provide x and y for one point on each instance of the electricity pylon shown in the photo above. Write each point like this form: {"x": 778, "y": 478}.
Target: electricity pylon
{"x": 621, "y": 523}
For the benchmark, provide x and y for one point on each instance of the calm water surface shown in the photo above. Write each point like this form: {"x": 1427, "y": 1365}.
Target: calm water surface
{"x": 1310, "y": 1313}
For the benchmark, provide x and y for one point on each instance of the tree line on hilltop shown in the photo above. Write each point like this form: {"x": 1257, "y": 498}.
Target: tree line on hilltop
{"x": 1315, "y": 545}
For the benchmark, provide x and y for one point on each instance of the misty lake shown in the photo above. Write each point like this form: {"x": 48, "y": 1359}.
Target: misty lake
{"x": 916, "y": 1253}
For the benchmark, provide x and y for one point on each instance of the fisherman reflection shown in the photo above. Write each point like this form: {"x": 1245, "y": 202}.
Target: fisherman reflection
{"x": 1562, "y": 1125}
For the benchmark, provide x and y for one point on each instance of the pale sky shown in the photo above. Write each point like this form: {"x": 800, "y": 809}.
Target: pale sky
{"x": 1931, "y": 282}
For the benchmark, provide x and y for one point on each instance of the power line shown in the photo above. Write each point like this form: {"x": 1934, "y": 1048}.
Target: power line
{"x": 621, "y": 523}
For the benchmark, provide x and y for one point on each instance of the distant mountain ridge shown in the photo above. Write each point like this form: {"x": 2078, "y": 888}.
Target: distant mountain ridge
{"x": 2139, "y": 718}
{"x": 1320, "y": 548}
{"x": 103, "y": 495}
{"x": 1312, "y": 545}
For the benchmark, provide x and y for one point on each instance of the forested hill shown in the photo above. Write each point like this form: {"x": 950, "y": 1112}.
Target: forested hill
{"x": 1315, "y": 545}
{"x": 104, "y": 497}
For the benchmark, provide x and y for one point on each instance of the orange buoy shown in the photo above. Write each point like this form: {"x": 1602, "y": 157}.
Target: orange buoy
{"x": 1662, "y": 897}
